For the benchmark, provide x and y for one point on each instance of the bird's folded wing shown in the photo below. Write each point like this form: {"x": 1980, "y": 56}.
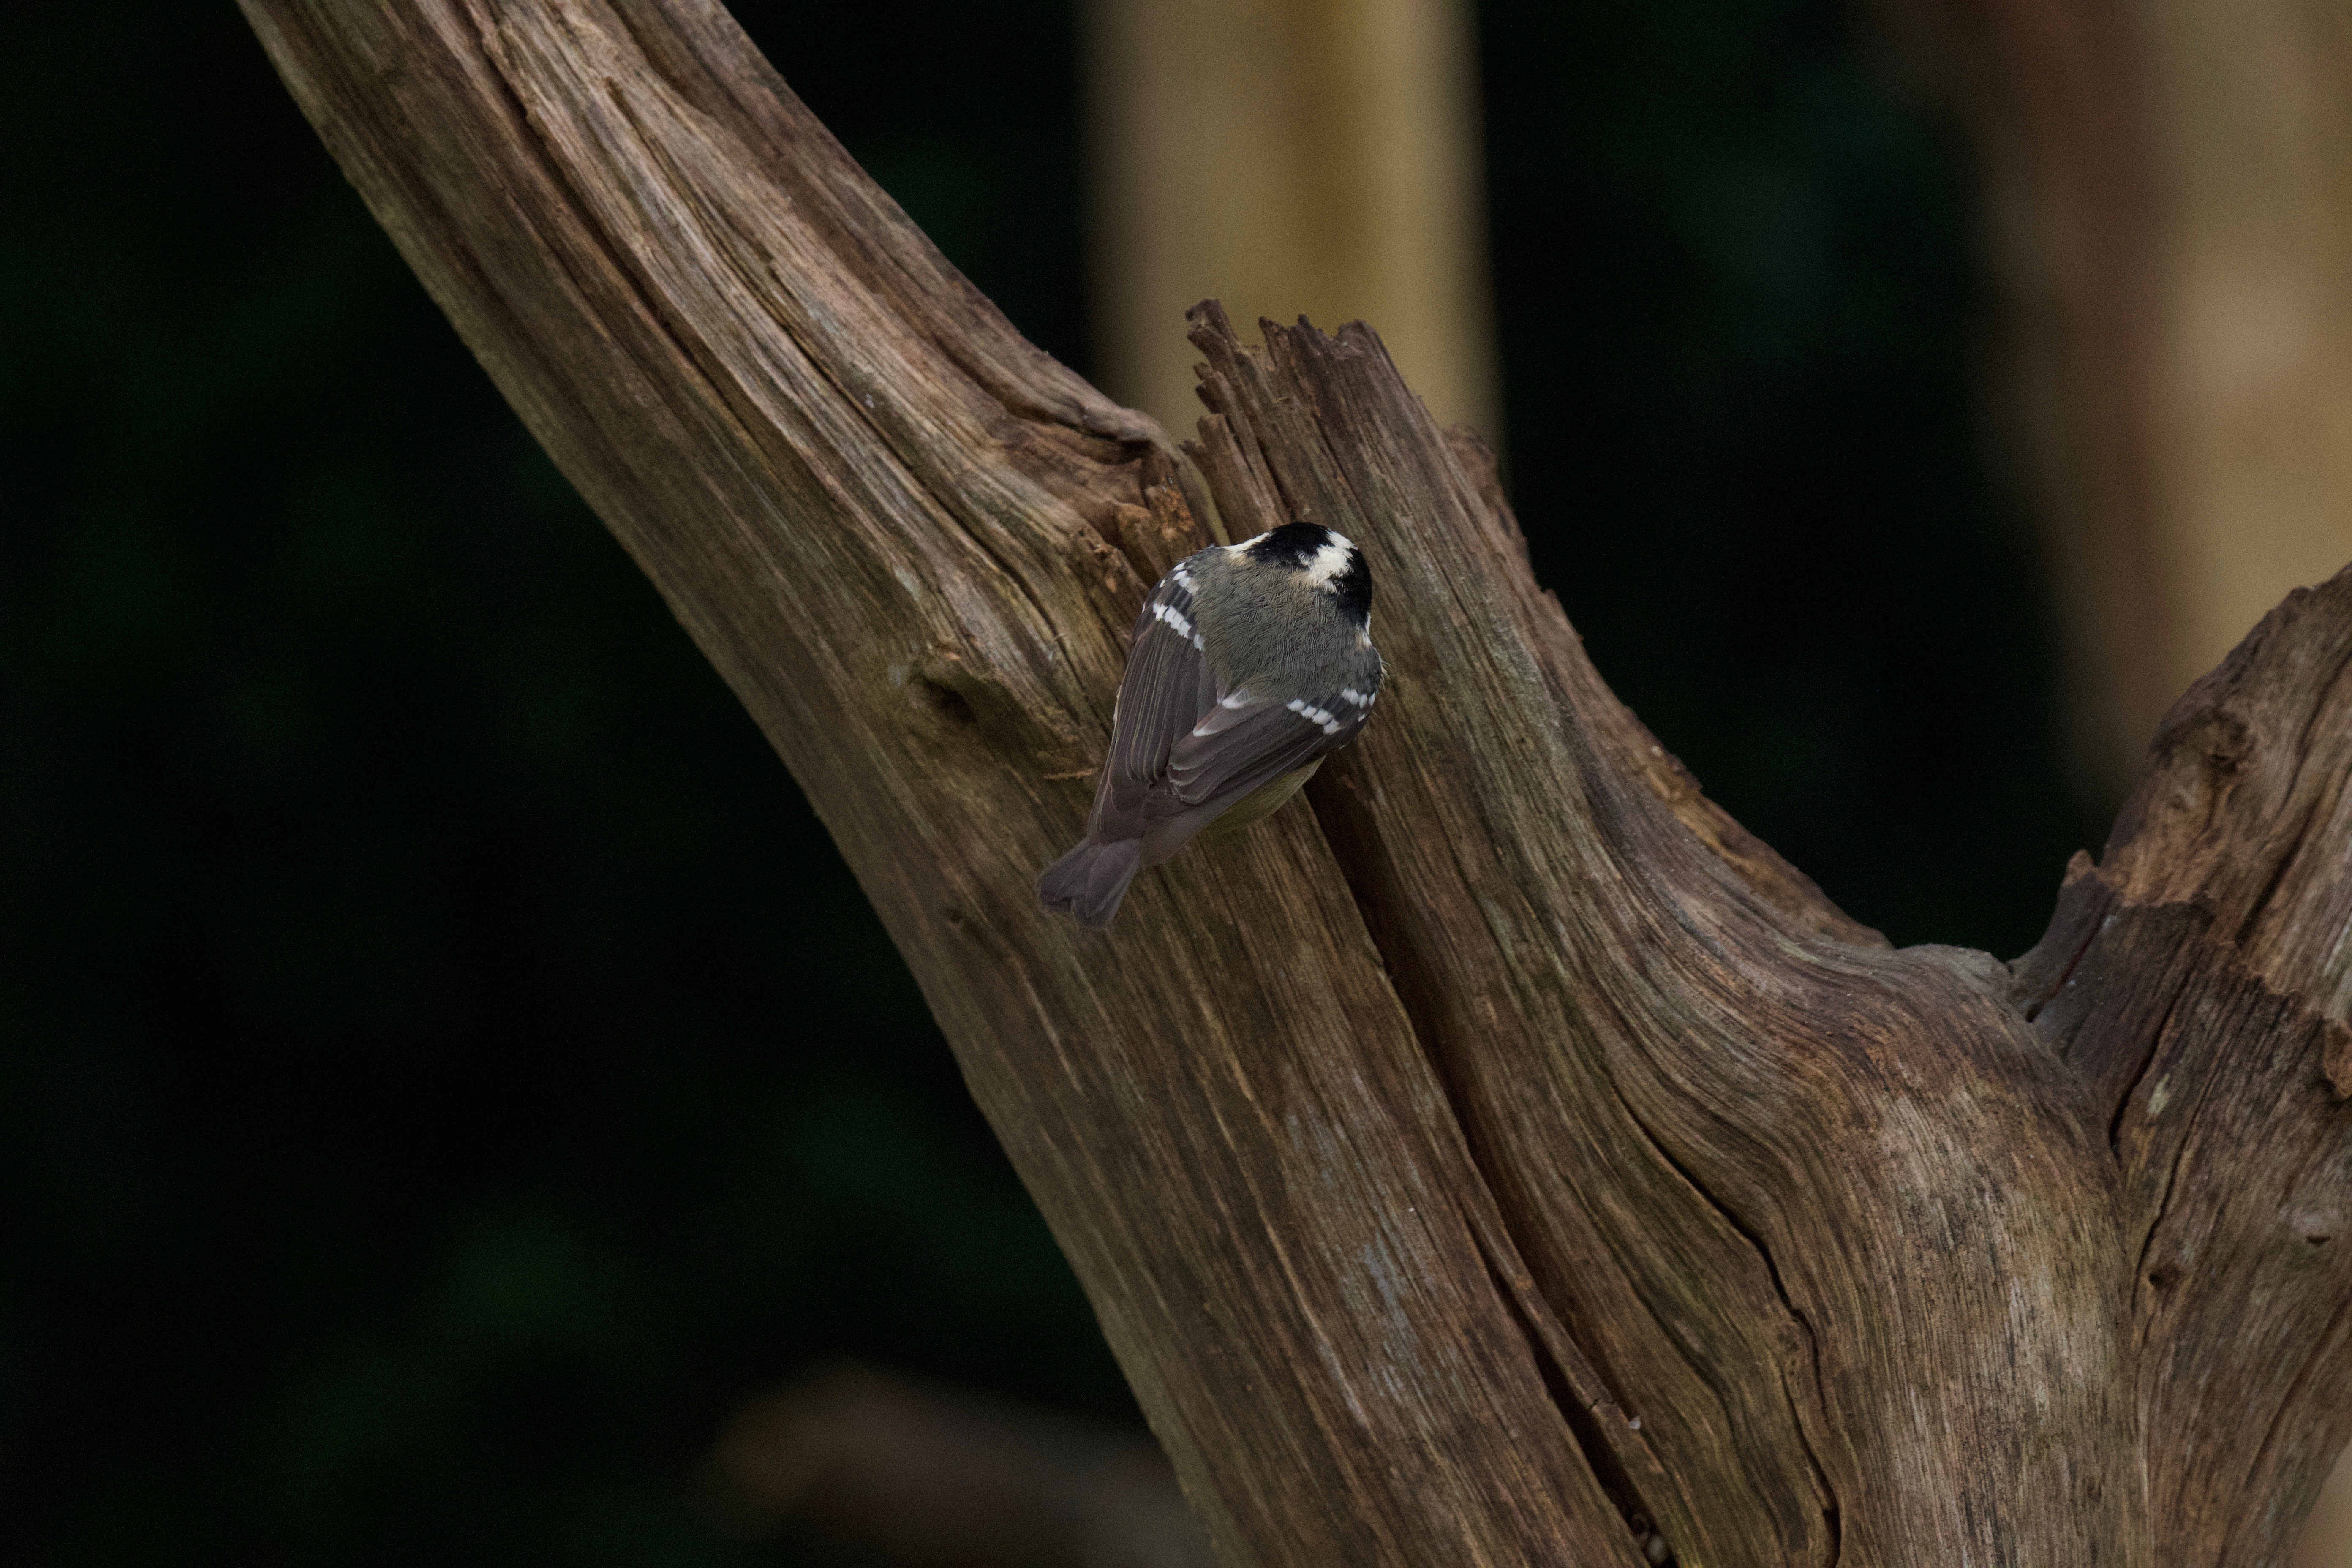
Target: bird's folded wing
{"x": 1245, "y": 741}
{"x": 1165, "y": 690}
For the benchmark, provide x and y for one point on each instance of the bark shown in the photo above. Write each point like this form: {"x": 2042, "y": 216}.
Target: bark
{"x": 1509, "y": 1159}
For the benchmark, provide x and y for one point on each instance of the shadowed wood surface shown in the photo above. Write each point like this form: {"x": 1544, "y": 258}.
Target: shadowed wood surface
{"x": 1509, "y": 1159}
{"x": 1704, "y": 1118}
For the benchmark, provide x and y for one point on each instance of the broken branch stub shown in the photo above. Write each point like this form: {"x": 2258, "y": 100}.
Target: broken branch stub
{"x": 2198, "y": 983}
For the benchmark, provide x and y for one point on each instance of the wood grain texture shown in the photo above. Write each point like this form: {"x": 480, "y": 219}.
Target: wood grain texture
{"x": 912, "y": 544}
{"x": 1776, "y": 1186}
{"x": 1509, "y": 1159}
{"x": 2200, "y": 982}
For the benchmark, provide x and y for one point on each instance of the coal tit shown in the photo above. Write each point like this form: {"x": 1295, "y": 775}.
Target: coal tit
{"x": 1250, "y": 663}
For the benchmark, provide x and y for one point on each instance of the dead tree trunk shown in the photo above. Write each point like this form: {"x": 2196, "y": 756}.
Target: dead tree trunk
{"x": 1508, "y": 1158}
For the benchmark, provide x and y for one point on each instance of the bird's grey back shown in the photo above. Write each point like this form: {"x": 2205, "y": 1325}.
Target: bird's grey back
{"x": 1249, "y": 622}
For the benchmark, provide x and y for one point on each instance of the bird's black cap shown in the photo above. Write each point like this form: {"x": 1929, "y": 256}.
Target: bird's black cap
{"x": 1331, "y": 558}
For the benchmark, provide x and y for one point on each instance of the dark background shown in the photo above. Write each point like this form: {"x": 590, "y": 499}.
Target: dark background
{"x": 443, "y": 1063}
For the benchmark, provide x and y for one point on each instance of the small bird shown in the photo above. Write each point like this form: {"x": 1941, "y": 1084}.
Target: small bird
{"x": 1250, "y": 664}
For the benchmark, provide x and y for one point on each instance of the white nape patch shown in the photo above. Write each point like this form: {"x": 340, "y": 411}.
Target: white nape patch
{"x": 1330, "y": 560}
{"x": 1245, "y": 544}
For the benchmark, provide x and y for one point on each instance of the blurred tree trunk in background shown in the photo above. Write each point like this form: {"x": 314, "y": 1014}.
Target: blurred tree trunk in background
{"x": 1289, "y": 157}
{"x": 2169, "y": 228}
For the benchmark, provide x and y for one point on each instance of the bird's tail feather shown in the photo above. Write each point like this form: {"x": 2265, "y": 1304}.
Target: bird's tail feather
{"x": 1090, "y": 880}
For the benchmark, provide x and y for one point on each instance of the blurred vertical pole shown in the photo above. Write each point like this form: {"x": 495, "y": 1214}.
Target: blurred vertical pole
{"x": 2167, "y": 222}
{"x": 1291, "y": 157}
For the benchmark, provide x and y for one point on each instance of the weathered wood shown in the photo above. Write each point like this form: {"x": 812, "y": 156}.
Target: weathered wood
{"x": 1509, "y": 1160}
{"x": 1778, "y": 1188}
{"x": 2200, "y": 982}
{"x": 879, "y": 513}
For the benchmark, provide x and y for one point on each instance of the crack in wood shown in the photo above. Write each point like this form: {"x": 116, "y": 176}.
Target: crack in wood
{"x": 1797, "y": 1413}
